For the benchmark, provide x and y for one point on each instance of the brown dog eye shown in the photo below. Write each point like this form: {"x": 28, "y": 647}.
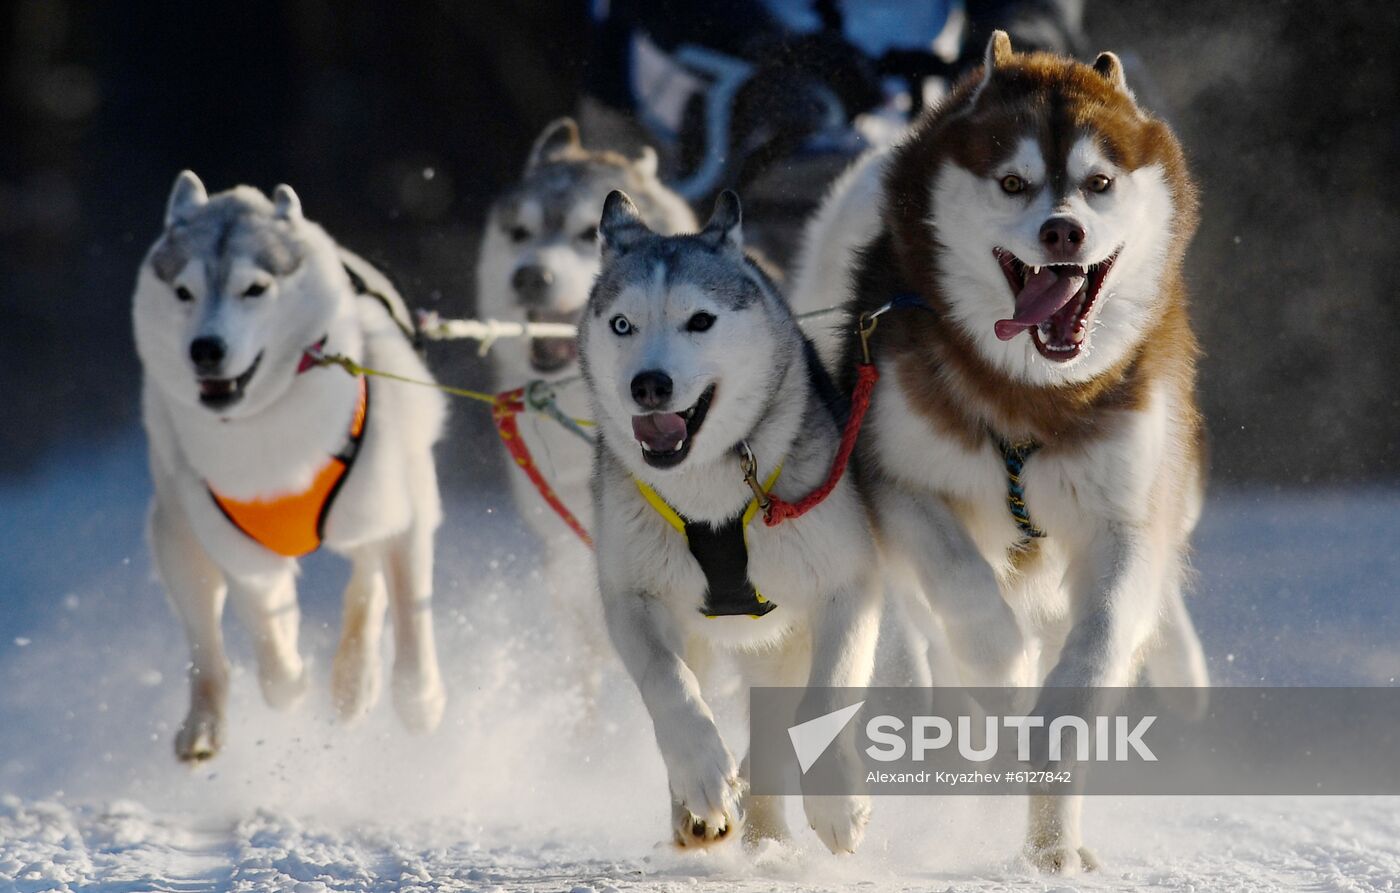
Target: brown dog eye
{"x": 1099, "y": 183}
{"x": 700, "y": 322}
{"x": 1012, "y": 184}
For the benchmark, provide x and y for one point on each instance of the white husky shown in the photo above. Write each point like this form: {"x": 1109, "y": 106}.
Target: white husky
{"x": 1033, "y": 447}
{"x": 259, "y": 457}
{"x": 539, "y": 257}
{"x": 693, "y": 361}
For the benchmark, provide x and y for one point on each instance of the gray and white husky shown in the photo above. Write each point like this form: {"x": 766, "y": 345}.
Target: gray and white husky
{"x": 258, "y": 456}
{"x": 539, "y": 257}
{"x": 693, "y": 361}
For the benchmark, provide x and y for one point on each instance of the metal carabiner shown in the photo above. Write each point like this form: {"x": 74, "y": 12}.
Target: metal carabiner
{"x": 868, "y": 321}
{"x": 749, "y": 465}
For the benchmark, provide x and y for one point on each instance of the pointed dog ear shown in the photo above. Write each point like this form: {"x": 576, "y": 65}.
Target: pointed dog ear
{"x": 998, "y": 52}
{"x": 185, "y": 196}
{"x": 647, "y": 164}
{"x": 726, "y": 226}
{"x": 621, "y": 226}
{"x": 997, "y": 55}
{"x": 285, "y": 204}
{"x": 558, "y": 137}
{"x": 1111, "y": 67}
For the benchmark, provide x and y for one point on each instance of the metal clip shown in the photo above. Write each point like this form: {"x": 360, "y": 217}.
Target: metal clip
{"x": 868, "y": 321}
{"x": 749, "y": 465}
{"x": 539, "y": 395}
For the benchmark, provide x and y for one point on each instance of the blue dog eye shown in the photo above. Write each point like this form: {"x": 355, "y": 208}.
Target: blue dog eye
{"x": 621, "y": 325}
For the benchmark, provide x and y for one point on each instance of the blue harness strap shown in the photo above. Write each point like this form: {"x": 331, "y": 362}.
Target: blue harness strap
{"x": 1014, "y": 456}
{"x": 909, "y": 300}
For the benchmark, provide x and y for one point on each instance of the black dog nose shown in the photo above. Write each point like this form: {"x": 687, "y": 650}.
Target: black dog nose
{"x": 1062, "y": 237}
{"x": 651, "y": 389}
{"x": 532, "y": 283}
{"x": 208, "y": 353}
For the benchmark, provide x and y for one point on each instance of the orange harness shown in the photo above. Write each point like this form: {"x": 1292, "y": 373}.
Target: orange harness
{"x": 292, "y": 525}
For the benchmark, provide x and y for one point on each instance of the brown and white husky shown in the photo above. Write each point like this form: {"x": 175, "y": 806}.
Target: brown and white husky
{"x": 1033, "y": 448}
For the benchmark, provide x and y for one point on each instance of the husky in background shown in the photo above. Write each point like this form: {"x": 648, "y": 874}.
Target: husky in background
{"x": 539, "y": 257}
{"x": 259, "y": 456}
{"x": 693, "y": 361}
{"x": 1033, "y": 448}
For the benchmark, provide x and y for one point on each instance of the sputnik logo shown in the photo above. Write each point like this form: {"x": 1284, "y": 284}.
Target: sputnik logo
{"x": 810, "y": 739}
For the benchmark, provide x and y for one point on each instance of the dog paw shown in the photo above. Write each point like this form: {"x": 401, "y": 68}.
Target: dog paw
{"x": 706, "y": 798}
{"x": 838, "y": 820}
{"x": 1062, "y": 860}
{"x": 284, "y": 687}
{"x": 690, "y": 830}
{"x": 355, "y": 684}
{"x": 200, "y": 737}
{"x": 419, "y": 699}
{"x": 764, "y": 821}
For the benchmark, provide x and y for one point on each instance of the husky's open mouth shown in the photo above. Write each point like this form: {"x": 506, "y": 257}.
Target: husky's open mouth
{"x": 666, "y": 436}
{"x": 221, "y": 393}
{"x": 1055, "y": 302}
{"x": 552, "y": 354}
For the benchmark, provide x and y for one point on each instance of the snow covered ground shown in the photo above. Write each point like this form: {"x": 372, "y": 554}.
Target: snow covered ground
{"x": 525, "y": 789}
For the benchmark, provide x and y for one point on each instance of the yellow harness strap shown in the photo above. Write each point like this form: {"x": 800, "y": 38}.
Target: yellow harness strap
{"x": 663, "y": 508}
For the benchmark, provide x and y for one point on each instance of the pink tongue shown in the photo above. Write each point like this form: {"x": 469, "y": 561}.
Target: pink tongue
{"x": 662, "y": 432}
{"x": 1040, "y": 298}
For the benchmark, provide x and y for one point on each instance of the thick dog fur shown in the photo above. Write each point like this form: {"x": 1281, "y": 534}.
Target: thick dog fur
{"x": 1117, "y": 483}
{"x": 819, "y": 569}
{"x": 539, "y": 256}
{"x": 195, "y": 282}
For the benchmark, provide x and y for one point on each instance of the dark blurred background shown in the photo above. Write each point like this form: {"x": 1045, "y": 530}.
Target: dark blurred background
{"x": 398, "y": 122}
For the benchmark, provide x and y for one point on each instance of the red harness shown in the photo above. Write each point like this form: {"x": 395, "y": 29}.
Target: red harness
{"x": 508, "y": 405}
{"x": 777, "y": 510}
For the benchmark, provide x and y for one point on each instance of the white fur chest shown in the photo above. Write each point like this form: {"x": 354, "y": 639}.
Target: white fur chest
{"x": 913, "y": 451}
{"x": 282, "y": 448}
{"x": 1069, "y": 494}
{"x": 1108, "y": 480}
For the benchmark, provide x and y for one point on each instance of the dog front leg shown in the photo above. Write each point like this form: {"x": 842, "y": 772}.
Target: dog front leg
{"x": 1175, "y": 660}
{"x": 196, "y": 589}
{"x": 267, "y": 605}
{"x": 355, "y": 673}
{"x": 1115, "y": 596}
{"x": 419, "y": 697}
{"x": 703, "y": 777}
{"x": 845, "y": 629}
{"x": 959, "y": 585}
